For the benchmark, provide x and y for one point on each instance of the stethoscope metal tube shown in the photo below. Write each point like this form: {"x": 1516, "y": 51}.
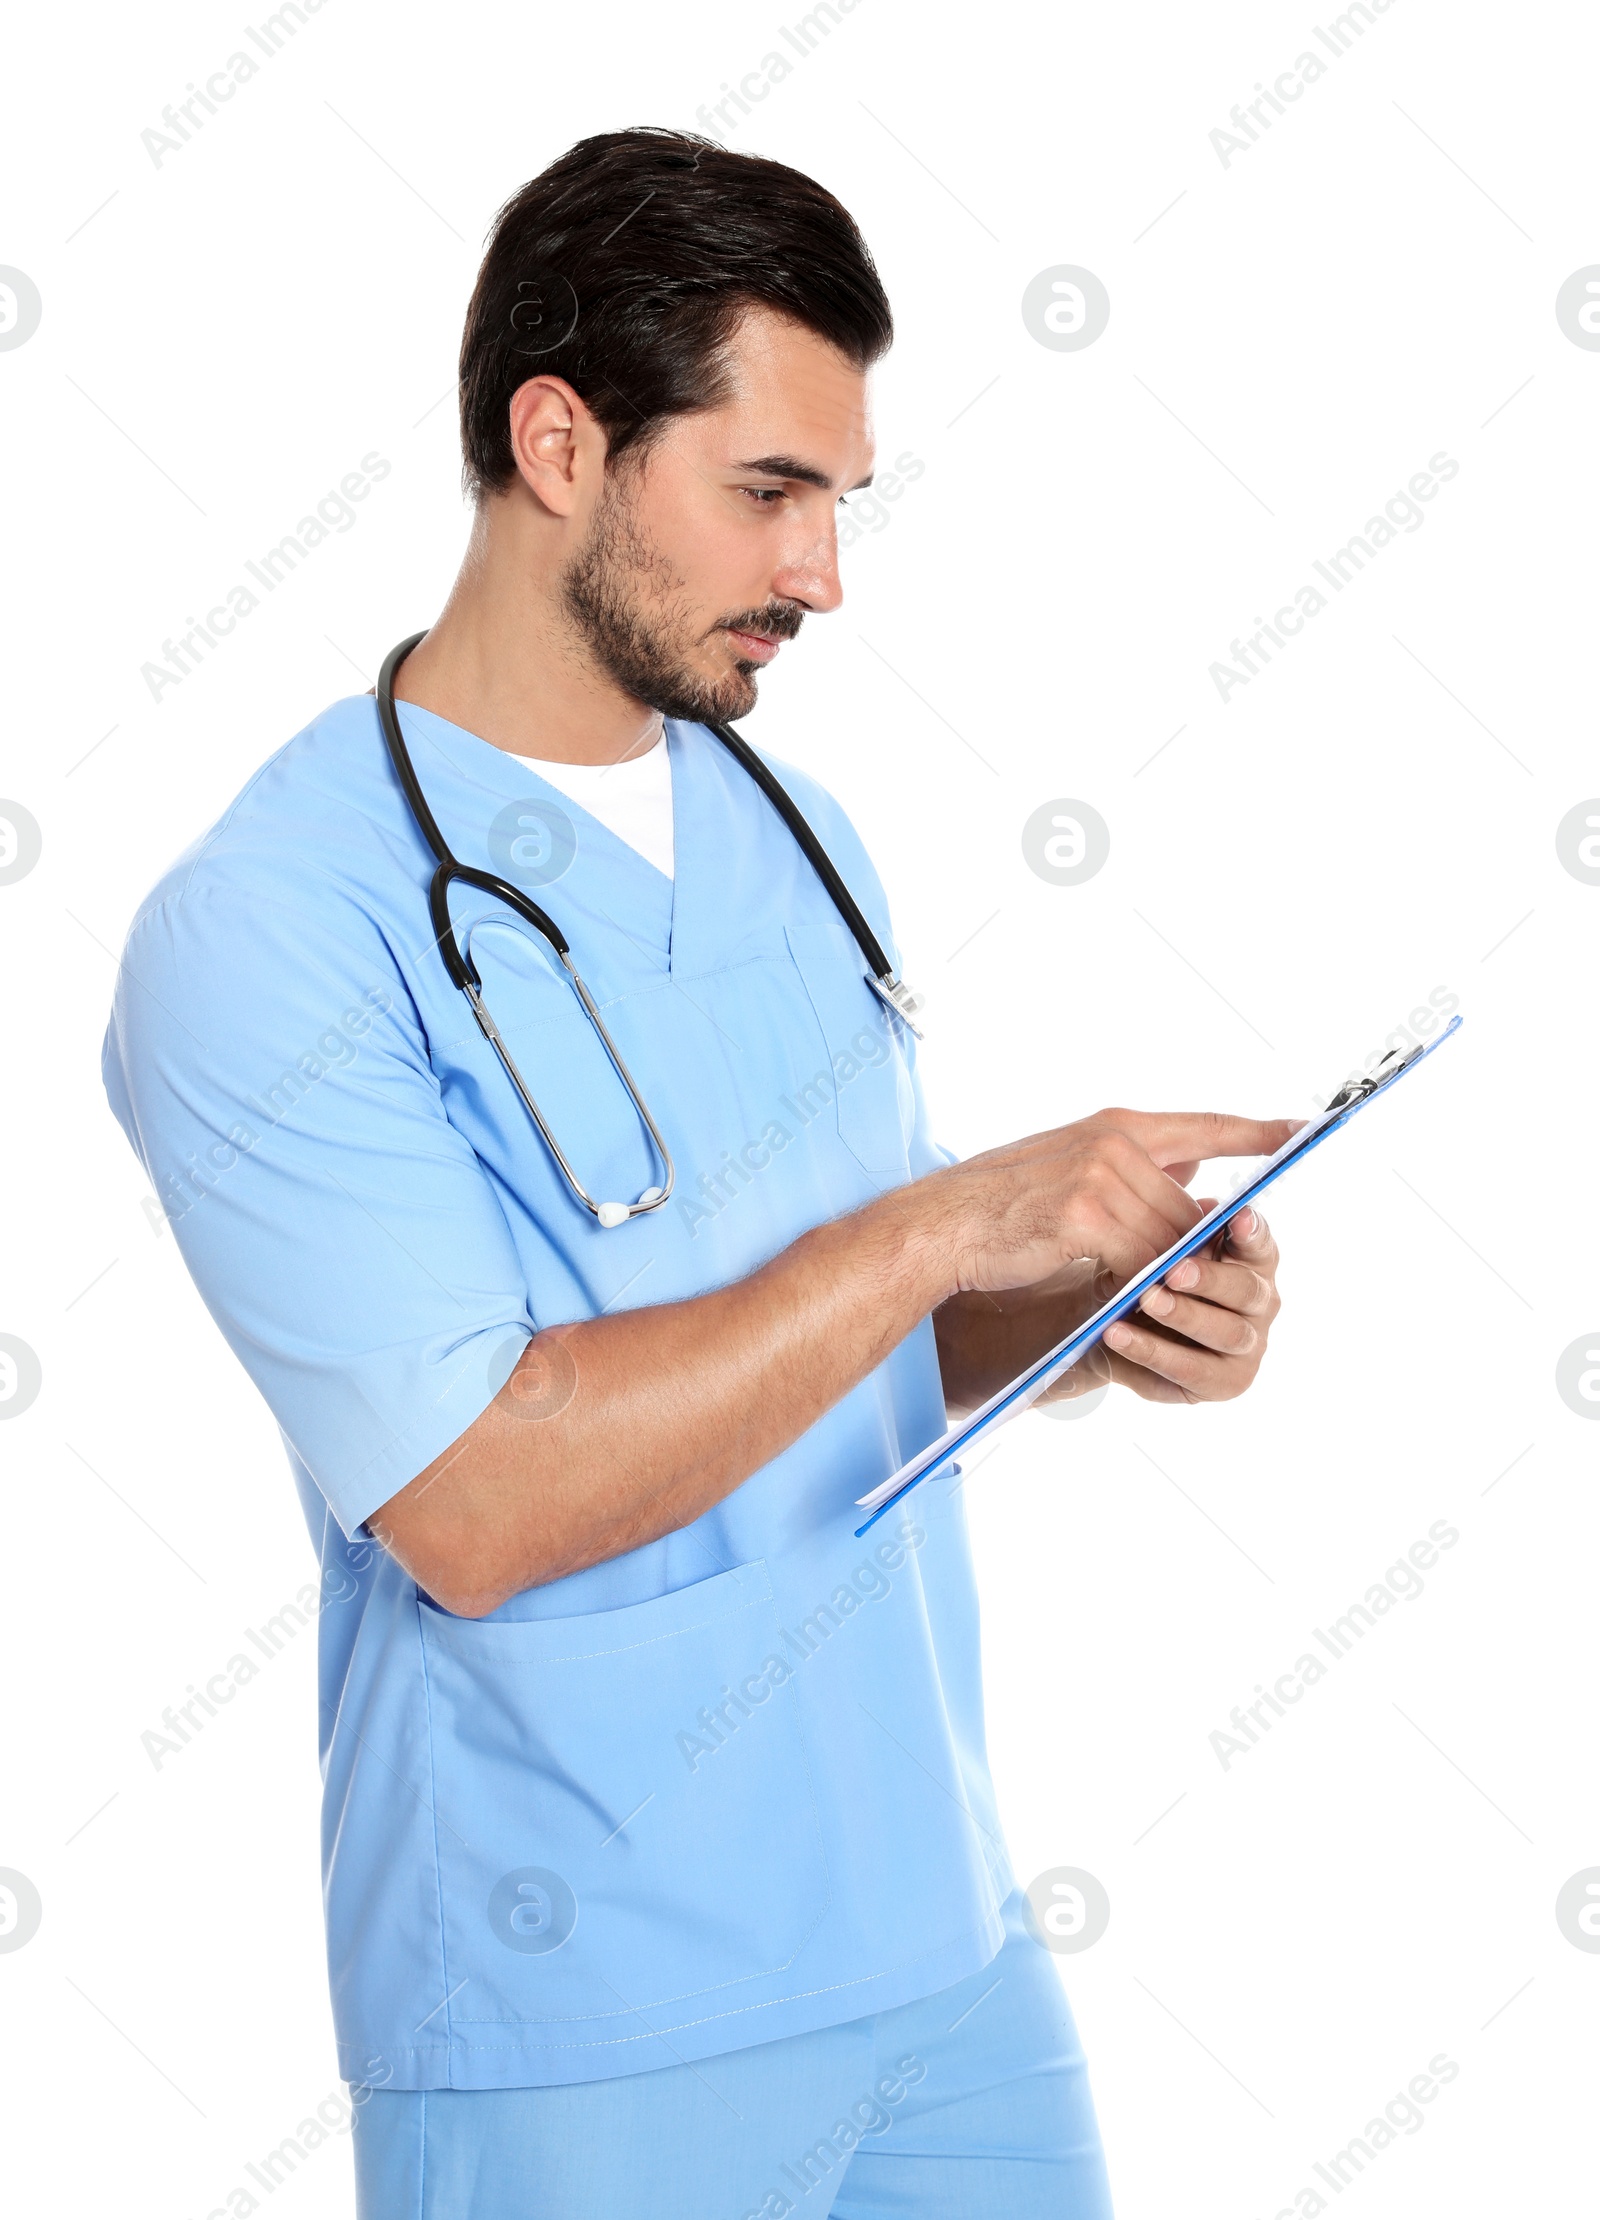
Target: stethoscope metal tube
{"x": 608, "y": 1213}
{"x": 458, "y": 960}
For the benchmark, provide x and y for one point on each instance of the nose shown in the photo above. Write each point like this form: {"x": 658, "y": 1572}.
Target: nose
{"x": 811, "y": 575}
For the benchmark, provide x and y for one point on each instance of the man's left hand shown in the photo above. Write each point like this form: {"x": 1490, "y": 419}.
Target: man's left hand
{"x": 1200, "y": 1336}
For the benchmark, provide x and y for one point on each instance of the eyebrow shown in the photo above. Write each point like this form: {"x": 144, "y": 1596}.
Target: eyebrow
{"x": 788, "y": 466}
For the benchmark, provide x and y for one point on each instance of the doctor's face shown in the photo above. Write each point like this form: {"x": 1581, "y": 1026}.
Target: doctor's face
{"x": 707, "y": 549}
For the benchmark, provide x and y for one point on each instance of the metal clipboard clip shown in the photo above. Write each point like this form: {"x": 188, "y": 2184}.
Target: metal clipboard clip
{"x": 1389, "y": 1067}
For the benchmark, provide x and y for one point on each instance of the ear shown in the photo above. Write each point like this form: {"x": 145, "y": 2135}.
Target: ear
{"x": 558, "y": 447}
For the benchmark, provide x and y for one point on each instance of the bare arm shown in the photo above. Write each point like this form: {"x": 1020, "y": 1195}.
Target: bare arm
{"x": 614, "y": 1431}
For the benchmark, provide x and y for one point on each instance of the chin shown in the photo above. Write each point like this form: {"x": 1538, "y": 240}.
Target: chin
{"x": 706, "y": 704}
{"x": 740, "y": 691}
{"x": 733, "y": 695}
{"x": 691, "y": 699}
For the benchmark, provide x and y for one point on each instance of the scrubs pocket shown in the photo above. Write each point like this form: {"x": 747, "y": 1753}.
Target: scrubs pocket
{"x": 864, "y": 1063}
{"x": 624, "y": 1809}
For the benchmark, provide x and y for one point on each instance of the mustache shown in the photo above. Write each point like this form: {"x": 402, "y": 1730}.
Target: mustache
{"x": 780, "y": 620}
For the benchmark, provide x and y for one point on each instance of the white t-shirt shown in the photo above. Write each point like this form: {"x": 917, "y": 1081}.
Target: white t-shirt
{"x": 632, "y": 799}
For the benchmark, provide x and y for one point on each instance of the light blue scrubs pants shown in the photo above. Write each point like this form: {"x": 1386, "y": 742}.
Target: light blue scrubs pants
{"x": 998, "y": 2120}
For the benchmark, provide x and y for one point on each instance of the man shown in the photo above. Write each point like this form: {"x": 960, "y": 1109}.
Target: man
{"x": 661, "y": 1857}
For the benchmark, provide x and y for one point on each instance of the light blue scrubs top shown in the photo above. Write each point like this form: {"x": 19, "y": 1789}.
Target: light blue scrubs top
{"x": 731, "y": 1786}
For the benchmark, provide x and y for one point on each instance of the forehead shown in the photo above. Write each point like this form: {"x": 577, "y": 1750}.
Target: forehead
{"x": 790, "y": 392}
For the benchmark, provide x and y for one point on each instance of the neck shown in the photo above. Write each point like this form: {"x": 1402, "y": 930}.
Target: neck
{"x": 505, "y": 661}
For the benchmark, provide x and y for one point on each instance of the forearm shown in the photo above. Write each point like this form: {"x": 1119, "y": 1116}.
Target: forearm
{"x": 614, "y": 1431}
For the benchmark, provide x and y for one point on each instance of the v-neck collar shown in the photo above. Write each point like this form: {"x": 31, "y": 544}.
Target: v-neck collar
{"x": 619, "y": 881}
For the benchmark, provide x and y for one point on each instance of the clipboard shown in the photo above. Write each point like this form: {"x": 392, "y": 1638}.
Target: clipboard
{"x": 1030, "y": 1384}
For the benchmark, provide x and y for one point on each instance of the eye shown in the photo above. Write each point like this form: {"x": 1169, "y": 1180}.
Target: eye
{"x": 765, "y": 496}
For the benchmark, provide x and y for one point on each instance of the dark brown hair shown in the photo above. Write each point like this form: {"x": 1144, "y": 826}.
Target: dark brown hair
{"x": 624, "y": 267}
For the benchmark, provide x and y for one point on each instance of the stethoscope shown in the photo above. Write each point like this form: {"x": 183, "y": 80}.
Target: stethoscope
{"x": 464, "y": 972}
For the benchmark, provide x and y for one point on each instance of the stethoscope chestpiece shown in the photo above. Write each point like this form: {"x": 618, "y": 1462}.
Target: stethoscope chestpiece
{"x": 895, "y": 995}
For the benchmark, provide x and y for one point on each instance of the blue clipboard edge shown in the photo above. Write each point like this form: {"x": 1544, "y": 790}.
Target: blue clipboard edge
{"x": 1038, "y": 1375}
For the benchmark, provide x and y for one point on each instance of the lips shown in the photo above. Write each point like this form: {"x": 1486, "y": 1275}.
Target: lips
{"x": 755, "y": 647}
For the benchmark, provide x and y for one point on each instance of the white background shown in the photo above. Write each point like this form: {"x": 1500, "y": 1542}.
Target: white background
{"x": 1292, "y": 336}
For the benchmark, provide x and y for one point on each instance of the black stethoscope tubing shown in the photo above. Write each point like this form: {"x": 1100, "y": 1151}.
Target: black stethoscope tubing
{"x": 448, "y": 868}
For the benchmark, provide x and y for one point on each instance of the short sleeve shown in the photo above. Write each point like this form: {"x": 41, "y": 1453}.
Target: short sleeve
{"x": 272, "y": 1075}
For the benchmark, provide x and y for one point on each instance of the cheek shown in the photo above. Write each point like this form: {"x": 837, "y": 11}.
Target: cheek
{"x": 705, "y": 548}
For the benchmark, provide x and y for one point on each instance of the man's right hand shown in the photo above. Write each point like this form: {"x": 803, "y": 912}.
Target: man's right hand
{"x": 1113, "y": 1187}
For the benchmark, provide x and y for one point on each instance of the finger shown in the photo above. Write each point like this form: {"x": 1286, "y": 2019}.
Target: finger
{"x": 1230, "y": 1286}
{"x": 1116, "y": 1255}
{"x": 1155, "y": 1187}
{"x": 1249, "y": 1236}
{"x": 1232, "y": 1333}
{"x": 1149, "y": 1386}
{"x": 1127, "y": 1210}
{"x": 1204, "y": 1375}
{"x": 1118, "y": 1252}
{"x": 1131, "y": 1234}
{"x": 1131, "y": 1212}
{"x": 1179, "y": 1136}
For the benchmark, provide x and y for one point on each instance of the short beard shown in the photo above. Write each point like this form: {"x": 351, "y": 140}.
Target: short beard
{"x": 609, "y": 586}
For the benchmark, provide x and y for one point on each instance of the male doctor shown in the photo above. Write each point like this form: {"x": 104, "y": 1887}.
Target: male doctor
{"x": 662, "y": 1866}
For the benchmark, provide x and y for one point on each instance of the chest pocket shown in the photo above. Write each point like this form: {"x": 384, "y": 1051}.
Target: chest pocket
{"x": 863, "y": 1059}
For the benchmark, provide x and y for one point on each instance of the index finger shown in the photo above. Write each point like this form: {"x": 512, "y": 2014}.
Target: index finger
{"x": 1185, "y": 1136}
